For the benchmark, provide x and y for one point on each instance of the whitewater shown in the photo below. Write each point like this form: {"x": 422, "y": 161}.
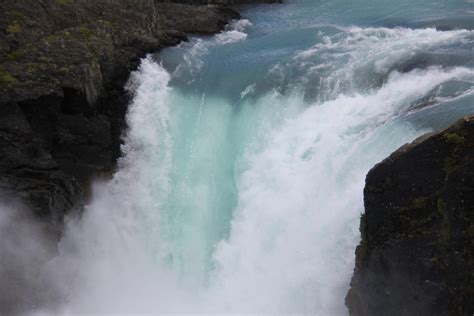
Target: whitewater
{"x": 240, "y": 185}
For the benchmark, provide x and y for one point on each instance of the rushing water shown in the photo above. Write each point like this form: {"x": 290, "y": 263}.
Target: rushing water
{"x": 240, "y": 186}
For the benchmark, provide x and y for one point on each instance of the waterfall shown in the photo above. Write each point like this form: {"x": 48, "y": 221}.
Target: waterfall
{"x": 240, "y": 185}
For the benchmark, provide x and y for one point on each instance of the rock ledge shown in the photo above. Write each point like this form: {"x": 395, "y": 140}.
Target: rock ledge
{"x": 416, "y": 256}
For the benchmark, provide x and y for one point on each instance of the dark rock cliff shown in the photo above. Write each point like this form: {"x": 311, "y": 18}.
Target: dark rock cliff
{"x": 416, "y": 256}
{"x": 63, "y": 66}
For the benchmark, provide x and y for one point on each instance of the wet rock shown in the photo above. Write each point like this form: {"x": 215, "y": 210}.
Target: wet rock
{"x": 63, "y": 66}
{"x": 28, "y": 170}
{"x": 416, "y": 256}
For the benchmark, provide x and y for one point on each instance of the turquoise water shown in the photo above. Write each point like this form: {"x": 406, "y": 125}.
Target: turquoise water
{"x": 241, "y": 183}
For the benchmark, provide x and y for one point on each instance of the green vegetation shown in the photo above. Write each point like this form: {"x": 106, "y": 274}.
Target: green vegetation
{"x": 420, "y": 202}
{"x": 87, "y": 33}
{"x": 14, "y": 28}
{"x": 16, "y": 54}
{"x": 33, "y": 67}
{"x": 17, "y": 15}
{"x": 457, "y": 139}
{"x": 18, "y": 19}
{"x": 7, "y": 81}
{"x": 52, "y": 38}
{"x": 454, "y": 138}
{"x": 445, "y": 225}
{"x": 450, "y": 165}
{"x": 64, "y": 70}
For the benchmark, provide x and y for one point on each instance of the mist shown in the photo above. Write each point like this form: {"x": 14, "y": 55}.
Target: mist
{"x": 26, "y": 245}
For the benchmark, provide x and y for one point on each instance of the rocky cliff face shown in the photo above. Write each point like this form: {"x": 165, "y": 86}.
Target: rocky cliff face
{"x": 416, "y": 256}
{"x": 63, "y": 66}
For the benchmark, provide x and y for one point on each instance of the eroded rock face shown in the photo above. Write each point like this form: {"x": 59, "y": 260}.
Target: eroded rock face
{"x": 416, "y": 256}
{"x": 63, "y": 66}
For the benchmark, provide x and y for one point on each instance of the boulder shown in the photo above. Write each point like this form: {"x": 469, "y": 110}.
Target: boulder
{"x": 416, "y": 255}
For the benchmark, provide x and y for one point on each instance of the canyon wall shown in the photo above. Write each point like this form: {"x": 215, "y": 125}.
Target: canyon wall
{"x": 63, "y": 68}
{"x": 416, "y": 256}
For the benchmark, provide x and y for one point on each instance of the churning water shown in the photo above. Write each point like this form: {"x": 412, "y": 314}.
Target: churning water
{"x": 240, "y": 186}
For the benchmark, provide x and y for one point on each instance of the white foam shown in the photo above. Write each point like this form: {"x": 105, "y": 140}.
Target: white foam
{"x": 230, "y": 37}
{"x": 235, "y": 32}
{"x": 293, "y": 234}
{"x": 299, "y": 173}
{"x": 357, "y": 52}
{"x": 248, "y": 90}
{"x": 198, "y": 48}
{"x": 292, "y": 242}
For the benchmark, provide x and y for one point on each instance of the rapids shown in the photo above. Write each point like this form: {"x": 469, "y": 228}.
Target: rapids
{"x": 241, "y": 182}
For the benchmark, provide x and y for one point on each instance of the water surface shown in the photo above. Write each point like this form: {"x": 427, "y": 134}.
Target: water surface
{"x": 241, "y": 183}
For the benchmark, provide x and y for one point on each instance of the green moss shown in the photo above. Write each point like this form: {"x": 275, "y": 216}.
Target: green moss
{"x": 16, "y": 55}
{"x": 33, "y": 67}
{"x": 457, "y": 139}
{"x": 7, "y": 81}
{"x": 14, "y": 28}
{"x": 454, "y": 138}
{"x": 17, "y": 15}
{"x": 52, "y": 38}
{"x": 450, "y": 165}
{"x": 442, "y": 206}
{"x": 445, "y": 224}
{"x": 420, "y": 202}
{"x": 85, "y": 32}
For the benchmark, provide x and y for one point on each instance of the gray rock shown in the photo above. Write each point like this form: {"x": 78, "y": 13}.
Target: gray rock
{"x": 416, "y": 256}
{"x": 63, "y": 66}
